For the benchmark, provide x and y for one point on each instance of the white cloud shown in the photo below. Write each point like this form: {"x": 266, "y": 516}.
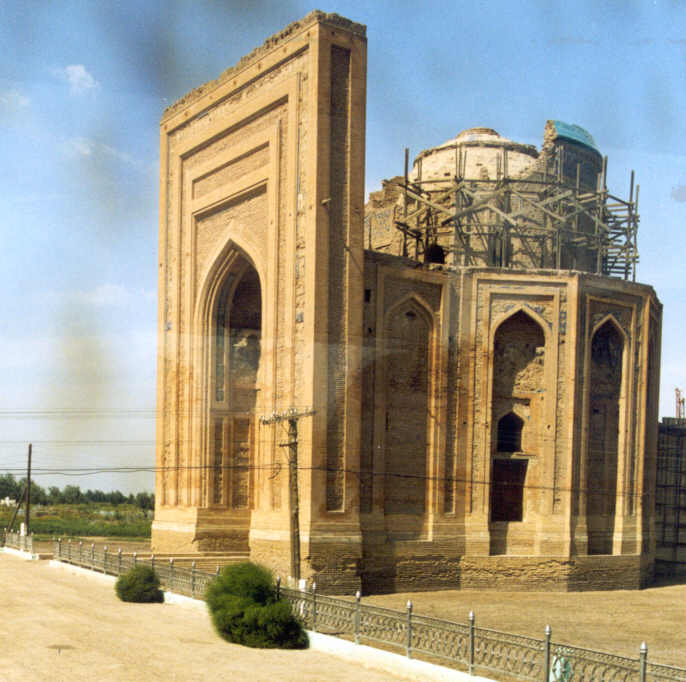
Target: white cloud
{"x": 12, "y": 101}
{"x": 86, "y": 147}
{"x": 102, "y": 296}
{"x": 77, "y": 76}
{"x": 79, "y": 146}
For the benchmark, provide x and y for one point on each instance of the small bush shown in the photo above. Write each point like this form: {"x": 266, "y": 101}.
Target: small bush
{"x": 244, "y": 609}
{"x": 140, "y": 584}
{"x": 244, "y": 580}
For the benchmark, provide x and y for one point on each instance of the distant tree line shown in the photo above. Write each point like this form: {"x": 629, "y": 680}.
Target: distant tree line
{"x": 70, "y": 494}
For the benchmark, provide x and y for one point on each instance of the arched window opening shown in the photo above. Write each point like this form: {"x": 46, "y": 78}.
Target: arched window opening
{"x": 510, "y": 433}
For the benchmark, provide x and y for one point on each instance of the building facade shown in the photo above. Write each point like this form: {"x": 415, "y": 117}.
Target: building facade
{"x": 473, "y": 372}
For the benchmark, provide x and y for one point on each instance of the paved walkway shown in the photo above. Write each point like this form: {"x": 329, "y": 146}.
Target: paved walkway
{"x": 60, "y": 626}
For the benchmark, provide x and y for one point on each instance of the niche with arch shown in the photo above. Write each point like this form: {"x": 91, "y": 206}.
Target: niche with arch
{"x": 605, "y": 387}
{"x": 518, "y": 390}
{"x": 237, "y": 324}
{"x": 407, "y": 367}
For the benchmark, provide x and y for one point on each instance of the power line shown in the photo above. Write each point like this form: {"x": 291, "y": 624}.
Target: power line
{"x": 61, "y": 443}
{"x": 88, "y": 471}
{"x": 71, "y": 413}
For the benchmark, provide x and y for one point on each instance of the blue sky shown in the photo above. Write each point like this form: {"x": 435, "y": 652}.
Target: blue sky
{"x": 82, "y": 89}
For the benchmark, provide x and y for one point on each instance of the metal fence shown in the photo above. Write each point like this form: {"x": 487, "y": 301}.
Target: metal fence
{"x": 464, "y": 646}
{"x": 18, "y": 541}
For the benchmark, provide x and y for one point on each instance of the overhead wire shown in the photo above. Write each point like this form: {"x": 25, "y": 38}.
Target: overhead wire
{"x": 89, "y": 471}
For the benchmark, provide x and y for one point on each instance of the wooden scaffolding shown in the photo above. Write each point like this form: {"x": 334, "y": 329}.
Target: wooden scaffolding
{"x": 546, "y": 217}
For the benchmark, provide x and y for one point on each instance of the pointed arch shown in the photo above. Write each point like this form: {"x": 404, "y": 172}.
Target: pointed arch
{"x": 611, "y": 319}
{"x": 525, "y": 310}
{"x": 510, "y": 428}
{"x": 223, "y": 258}
{"x": 412, "y": 299}
{"x": 518, "y": 359}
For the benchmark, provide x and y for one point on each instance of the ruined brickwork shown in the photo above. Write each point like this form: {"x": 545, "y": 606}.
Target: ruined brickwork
{"x": 670, "y": 498}
{"x": 483, "y": 398}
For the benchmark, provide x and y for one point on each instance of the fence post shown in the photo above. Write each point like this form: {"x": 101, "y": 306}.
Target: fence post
{"x": 217, "y": 572}
{"x": 357, "y": 617}
{"x": 119, "y": 561}
{"x": 193, "y": 579}
{"x": 152, "y": 562}
{"x": 31, "y": 542}
{"x": 470, "y": 653}
{"x": 171, "y": 574}
{"x": 408, "y": 646}
{"x": 104, "y": 560}
{"x": 80, "y": 551}
{"x": 278, "y": 587}
{"x": 546, "y": 654}
{"x": 59, "y": 548}
{"x": 135, "y": 559}
{"x": 644, "y": 661}
{"x": 314, "y": 607}
{"x": 69, "y": 549}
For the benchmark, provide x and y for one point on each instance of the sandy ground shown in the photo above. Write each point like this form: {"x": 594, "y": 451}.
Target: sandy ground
{"x": 614, "y": 621}
{"x": 58, "y": 626}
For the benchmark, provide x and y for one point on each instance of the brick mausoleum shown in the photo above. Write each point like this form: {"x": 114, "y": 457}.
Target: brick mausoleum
{"x": 483, "y": 370}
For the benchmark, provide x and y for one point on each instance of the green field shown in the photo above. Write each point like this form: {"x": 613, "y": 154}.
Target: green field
{"x": 83, "y": 520}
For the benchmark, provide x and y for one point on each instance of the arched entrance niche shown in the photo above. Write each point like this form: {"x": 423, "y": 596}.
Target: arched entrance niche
{"x": 408, "y": 383}
{"x": 236, "y": 341}
{"x": 605, "y": 388}
{"x": 516, "y": 417}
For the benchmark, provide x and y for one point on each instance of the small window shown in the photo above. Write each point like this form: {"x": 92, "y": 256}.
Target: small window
{"x": 510, "y": 433}
{"x": 434, "y": 254}
{"x": 507, "y": 489}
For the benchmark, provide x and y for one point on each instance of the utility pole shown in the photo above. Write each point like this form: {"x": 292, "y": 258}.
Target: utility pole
{"x": 28, "y": 492}
{"x": 292, "y": 415}
{"x": 680, "y": 404}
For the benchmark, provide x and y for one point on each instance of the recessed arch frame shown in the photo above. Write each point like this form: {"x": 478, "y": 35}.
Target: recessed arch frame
{"x": 418, "y": 304}
{"x": 545, "y": 453}
{"x": 233, "y": 256}
{"x": 622, "y": 425}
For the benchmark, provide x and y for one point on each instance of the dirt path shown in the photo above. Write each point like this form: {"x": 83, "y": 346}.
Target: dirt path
{"x": 58, "y": 626}
{"x": 616, "y": 621}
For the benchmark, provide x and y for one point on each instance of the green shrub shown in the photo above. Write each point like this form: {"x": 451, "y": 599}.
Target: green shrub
{"x": 140, "y": 584}
{"x": 244, "y": 608}
{"x": 244, "y": 580}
